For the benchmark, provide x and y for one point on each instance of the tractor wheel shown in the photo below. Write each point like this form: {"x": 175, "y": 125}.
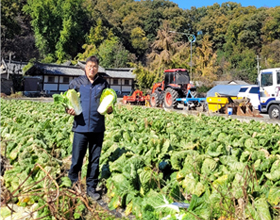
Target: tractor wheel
{"x": 274, "y": 112}
{"x": 170, "y": 97}
{"x": 154, "y": 100}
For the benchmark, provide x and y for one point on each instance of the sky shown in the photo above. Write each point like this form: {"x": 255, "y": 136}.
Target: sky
{"x": 187, "y": 4}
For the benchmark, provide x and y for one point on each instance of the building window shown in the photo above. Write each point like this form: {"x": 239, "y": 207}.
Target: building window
{"x": 116, "y": 82}
{"x": 50, "y": 79}
{"x": 65, "y": 79}
{"x": 126, "y": 82}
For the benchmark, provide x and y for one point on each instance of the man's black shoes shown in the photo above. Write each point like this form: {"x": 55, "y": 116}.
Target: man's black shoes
{"x": 93, "y": 194}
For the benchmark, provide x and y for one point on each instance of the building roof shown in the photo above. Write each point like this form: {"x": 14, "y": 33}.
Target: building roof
{"x": 12, "y": 66}
{"x": 221, "y": 82}
{"x": 113, "y": 72}
{"x": 68, "y": 70}
{"x": 67, "y": 63}
{"x": 121, "y": 73}
{"x": 54, "y": 69}
{"x": 232, "y": 82}
{"x": 82, "y": 64}
{"x": 238, "y": 82}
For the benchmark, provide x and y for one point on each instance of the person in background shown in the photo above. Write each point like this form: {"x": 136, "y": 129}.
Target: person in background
{"x": 89, "y": 126}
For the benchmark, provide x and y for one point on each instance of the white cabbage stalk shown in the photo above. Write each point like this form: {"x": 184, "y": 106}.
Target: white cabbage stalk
{"x": 108, "y": 99}
{"x": 168, "y": 205}
{"x": 74, "y": 101}
{"x": 105, "y": 104}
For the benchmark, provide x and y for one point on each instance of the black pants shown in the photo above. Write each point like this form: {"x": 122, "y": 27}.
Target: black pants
{"x": 81, "y": 142}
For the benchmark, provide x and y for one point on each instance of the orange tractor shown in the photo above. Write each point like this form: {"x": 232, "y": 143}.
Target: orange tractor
{"x": 176, "y": 85}
{"x": 137, "y": 97}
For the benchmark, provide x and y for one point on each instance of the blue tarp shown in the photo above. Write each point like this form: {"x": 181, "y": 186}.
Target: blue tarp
{"x": 229, "y": 90}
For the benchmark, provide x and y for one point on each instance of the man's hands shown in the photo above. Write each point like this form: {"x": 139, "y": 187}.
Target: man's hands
{"x": 70, "y": 111}
{"x": 110, "y": 110}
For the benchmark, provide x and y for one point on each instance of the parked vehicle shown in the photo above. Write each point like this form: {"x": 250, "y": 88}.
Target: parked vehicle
{"x": 231, "y": 105}
{"x": 269, "y": 83}
{"x": 137, "y": 97}
{"x": 266, "y": 95}
{"x": 250, "y": 100}
{"x": 251, "y": 92}
{"x": 192, "y": 103}
{"x": 176, "y": 84}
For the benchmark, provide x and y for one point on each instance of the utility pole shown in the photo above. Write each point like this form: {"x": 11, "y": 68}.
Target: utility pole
{"x": 191, "y": 39}
{"x": 258, "y": 65}
{"x": 10, "y": 59}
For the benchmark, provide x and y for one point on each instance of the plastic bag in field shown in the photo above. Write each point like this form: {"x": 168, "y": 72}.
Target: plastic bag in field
{"x": 69, "y": 99}
{"x": 108, "y": 98}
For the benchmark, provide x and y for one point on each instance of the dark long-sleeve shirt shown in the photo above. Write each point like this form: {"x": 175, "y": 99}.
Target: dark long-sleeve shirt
{"x": 89, "y": 120}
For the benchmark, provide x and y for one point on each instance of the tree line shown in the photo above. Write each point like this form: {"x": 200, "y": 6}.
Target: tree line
{"x": 145, "y": 35}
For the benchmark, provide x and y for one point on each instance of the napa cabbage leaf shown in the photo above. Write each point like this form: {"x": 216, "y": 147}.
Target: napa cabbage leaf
{"x": 274, "y": 195}
{"x": 69, "y": 99}
{"x": 260, "y": 210}
{"x": 191, "y": 185}
{"x": 177, "y": 159}
{"x": 208, "y": 166}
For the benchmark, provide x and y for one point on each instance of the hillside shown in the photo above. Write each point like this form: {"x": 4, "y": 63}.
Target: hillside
{"x": 137, "y": 33}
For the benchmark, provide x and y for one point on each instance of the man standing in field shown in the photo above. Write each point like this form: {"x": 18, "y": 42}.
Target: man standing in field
{"x": 89, "y": 126}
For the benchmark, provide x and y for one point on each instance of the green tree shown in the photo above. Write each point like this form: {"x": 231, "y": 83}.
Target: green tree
{"x": 250, "y": 35}
{"x": 139, "y": 40}
{"x": 163, "y": 49}
{"x": 97, "y": 34}
{"x": 94, "y": 39}
{"x": 245, "y": 31}
{"x": 64, "y": 41}
{"x": 89, "y": 51}
{"x": 181, "y": 59}
{"x": 10, "y": 9}
{"x": 215, "y": 22}
{"x": 57, "y": 26}
{"x": 193, "y": 19}
{"x": 144, "y": 77}
{"x": 271, "y": 28}
{"x": 223, "y": 66}
{"x": 243, "y": 65}
{"x": 271, "y": 55}
{"x": 113, "y": 11}
{"x": 127, "y": 18}
{"x": 113, "y": 54}
{"x": 16, "y": 35}
{"x": 205, "y": 61}
{"x": 175, "y": 16}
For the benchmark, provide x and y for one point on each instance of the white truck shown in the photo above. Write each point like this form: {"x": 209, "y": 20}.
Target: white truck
{"x": 269, "y": 83}
{"x": 266, "y": 95}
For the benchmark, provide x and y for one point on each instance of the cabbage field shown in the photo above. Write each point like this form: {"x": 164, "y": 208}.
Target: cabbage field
{"x": 154, "y": 164}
